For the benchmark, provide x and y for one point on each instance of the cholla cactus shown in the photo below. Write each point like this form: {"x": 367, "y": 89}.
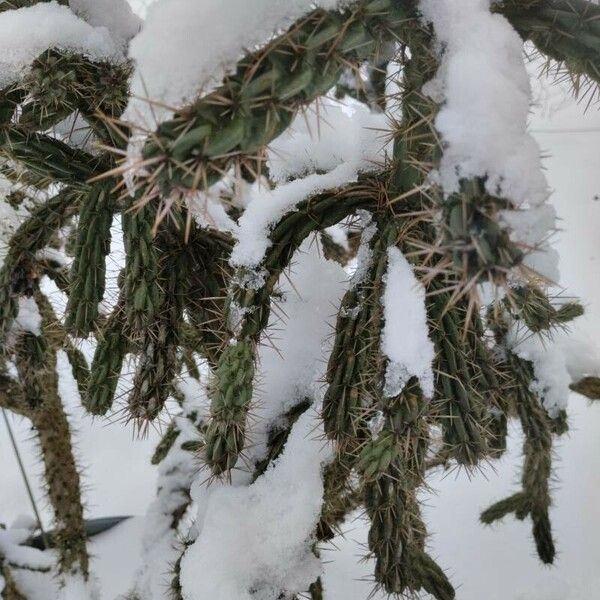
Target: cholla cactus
{"x": 407, "y": 274}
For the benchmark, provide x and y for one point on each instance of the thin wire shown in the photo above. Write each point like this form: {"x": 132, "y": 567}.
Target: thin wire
{"x": 25, "y": 479}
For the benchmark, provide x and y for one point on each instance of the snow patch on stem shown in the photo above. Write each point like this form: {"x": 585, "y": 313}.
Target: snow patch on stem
{"x": 266, "y": 207}
{"x": 485, "y": 91}
{"x": 205, "y": 40}
{"x": 256, "y": 541}
{"x": 485, "y": 95}
{"x": 27, "y": 32}
{"x": 405, "y": 337}
{"x": 557, "y": 362}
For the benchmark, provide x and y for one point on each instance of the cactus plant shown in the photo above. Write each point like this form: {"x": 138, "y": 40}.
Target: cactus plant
{"x": 214, "y": 229}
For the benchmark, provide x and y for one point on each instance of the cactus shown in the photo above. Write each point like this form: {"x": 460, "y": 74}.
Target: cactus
{"x": 36, "y": 398}
{"x": 192, "y": 312}
{"x": 89, "y": 267}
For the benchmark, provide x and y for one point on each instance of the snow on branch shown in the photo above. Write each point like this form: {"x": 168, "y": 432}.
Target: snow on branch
{"x": 485, "y": 91}
{"x": 205, "y": 40}
{"x": 259, "y": 537}
{"x": 405, "y": 338}
{"x": 341, "y": 140}
{"x": 27, "y": 32}
{"x": 485, "y": 95}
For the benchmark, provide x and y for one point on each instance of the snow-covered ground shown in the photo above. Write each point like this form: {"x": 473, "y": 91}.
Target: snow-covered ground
{"x": 493, "y": 563}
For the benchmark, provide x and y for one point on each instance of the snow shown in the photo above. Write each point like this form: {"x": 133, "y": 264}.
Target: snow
{"x": 27, "y": 32}
{"x": 176, "y": 472}
{"x": 35, "y": 571}
{"x": 327, "y": 134}
{"x": 531, "y": 229}
{"x": 405, "y": 339}
{"x": 558, "y": 360}
{"x": 258, "y": 537}
{"x": 364, "y": 255}
{"x": 205, "y": 40}
{"x": 209, "y": 211}
{"x": 581, "y": 354}
{"x": 292, "y": 364}
{"x": 75, "y": 587}
{"x": 552, "y": 377}
{"x": 28, "y": 317}
{"x": 14, "y": 553}
{"x": 341, "y": 140}
{"x": 116, "y": 15}
{"x": 266, "y": 207}
{"x": 486, "y": 93}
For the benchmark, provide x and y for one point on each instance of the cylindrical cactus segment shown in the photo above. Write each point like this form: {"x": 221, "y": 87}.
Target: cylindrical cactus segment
{"x": 463, "y": 393}
{"x": 36, "y": 366}
{"x": 107, "y": 363}
{"x": 89, "y": 267}
{"x": 473, "y": 237}
{"x": 532, "y": 305}
{"x": 564, "y": 30}
{"x": 158, "y": 364}
{"x": 257, "y": 103}
{"x": 18, "y": 274}
{"x": 354, "y": 370}
{"x": 392, "y": 467}
{"x": 225, "y": 436}
{"x": 142, "y": 294}
{"x": 534, "y": 499}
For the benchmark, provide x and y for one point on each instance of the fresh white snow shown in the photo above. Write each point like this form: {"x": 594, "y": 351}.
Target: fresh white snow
{"x": 405, "y": 339}
{"x": 313, "y": 141}
{"x": 485, "y": 88}
{"x": 485, "y": 95}
{"x": 205, "y": 40}
{"x": 27, "y": 32}
{"x": 258, "y": 537}
{"x": 266, "y": 207}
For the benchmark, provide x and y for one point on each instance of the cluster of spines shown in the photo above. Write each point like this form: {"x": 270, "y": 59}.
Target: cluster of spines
{"x": 258, "y": 102}
{"x": 158, "y": 346}
{"x": 565, "y": 31}
{"x": 107, "y": 363}
{"x": 59, "y": 84}
{"x": 462, "y": 396}
{"x": 478, "y": 245}
{"x": 141, "y": 291}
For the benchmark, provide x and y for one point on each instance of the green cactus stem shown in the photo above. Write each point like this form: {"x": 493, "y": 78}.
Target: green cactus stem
{"x": 107, "y": 363}
{"x": 19, "y": 274}
{"x": 258, "y": 102}
{"x": 232, "y": 392}
{"x": 36, "y": 398}
{"x": 89, "y": 267}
